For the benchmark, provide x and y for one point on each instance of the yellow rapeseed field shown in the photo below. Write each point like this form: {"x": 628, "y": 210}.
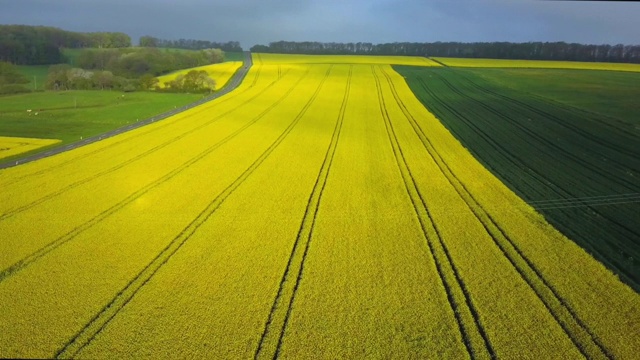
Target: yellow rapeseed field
{"x": 11, "y": 146}
{"x": 317, "y": 211}
{"x": 346, "y": 59}
{"x": 220, "y": 73}
{"x": 537, "y": 64}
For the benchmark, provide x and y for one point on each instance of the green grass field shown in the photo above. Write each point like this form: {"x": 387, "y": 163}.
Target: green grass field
{"x": 37, "y": 75}
{"x": 564, "y": 140}
{"x": 612, "y": 94}
{"x": 70, "y": 115}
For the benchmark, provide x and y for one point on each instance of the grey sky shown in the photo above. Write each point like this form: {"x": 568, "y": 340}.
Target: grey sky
{"x": 261, "y": 21}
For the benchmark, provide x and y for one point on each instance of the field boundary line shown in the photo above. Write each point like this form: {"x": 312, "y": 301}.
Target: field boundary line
{"x": 305, "y": 234}
{"x": 28, "y": 260}
{"x": 122, "y": 298}
{"x": 575, "y": 329}
{"x": 437, "y": 61}
{"x": 430, "y": 232}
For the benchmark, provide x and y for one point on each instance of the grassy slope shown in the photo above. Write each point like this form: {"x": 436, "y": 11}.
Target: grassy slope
{"x": 69, "y": 115}
{"x": 573, "y": 137}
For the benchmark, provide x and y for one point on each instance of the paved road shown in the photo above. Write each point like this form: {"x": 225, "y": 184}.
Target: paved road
{"x": 233, "y": 83}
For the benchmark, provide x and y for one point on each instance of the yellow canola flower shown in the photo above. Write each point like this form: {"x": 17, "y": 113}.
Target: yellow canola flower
{"x": 344, "y": 59}
{"x": 10, "y": 146}
{"x": 220, "y": 73}
{"x": 318, "y": 211}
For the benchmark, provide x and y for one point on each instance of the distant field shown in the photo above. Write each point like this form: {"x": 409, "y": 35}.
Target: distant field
{"x": 319, "y": 211}
{"x": 72, "y": 115}
{"x": 11, "y": 146}
{"x": 567, "y": 141}
{"x": 502, "y": 63}
{"x": 610, "y": 94}
{"x": 221, "y": 73}
{"x": 343, "y": 59}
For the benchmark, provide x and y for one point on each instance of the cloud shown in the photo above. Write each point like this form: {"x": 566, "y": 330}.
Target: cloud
{"x": 259, "y": 21}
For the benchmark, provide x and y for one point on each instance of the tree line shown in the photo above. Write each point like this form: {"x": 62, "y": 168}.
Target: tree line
{"x": 190, "y": 44}
{"x": 135, "y": 62}
{"x": 132, "y": 69}
{"x": 493, "y": 50}
{"x": 40, "y": 45}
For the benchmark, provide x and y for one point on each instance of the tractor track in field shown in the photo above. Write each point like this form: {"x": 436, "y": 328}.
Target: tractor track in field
{"x": 303, "y": 239}
{"x": 538, "y": 178}
{"x": 517, "y": 162}
{"x": 430, "y": 232}
{"x": 85, "y": 335}
{"x": 575, "y": 329}
{"x": 140, "y": 156}
{"x": 28, "y": 260}
{"x": 231, "y": 85}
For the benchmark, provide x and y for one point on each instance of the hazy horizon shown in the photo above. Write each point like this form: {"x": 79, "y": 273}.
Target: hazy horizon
{"x": 377, "y": 21}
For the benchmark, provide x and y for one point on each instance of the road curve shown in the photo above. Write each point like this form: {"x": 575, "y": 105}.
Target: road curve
{"x": 231, "y": 85}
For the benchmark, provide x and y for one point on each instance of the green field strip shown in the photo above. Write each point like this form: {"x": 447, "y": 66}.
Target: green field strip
{"x": 538, "y": 181}
{"x": 588, "y": 344}
{"x": 588, "y": 150}
{"x": 124, "y": 296}
{"x": 473, "y": 336}
{"x": 26, "y": 261}
{"x": 607, "y": 143}
{"x": 622, "y": 169}
{"x": 276, "y": 325}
